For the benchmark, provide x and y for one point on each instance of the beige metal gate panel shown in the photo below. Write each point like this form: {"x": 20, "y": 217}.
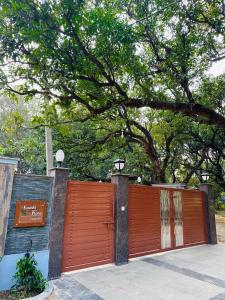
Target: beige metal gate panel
{"x": 178, "y": 219}
{"x": 165, "y": 219}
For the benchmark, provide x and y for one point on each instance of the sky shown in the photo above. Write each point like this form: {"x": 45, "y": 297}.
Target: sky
{"x": 217, "y": 68}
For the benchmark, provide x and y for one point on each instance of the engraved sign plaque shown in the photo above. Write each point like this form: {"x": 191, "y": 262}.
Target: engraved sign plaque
{"x": 30, "y": 213}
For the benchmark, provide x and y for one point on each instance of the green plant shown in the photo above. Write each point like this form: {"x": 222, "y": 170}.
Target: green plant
{"x": 27, "y": 276}
{"x": 220, "y": 202}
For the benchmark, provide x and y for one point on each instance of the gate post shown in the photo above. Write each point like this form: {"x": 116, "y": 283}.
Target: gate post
{"x": 7, "y": 170}
{"x": 210, "y": 213}
{"x": 57, "y": 221}
{"x": 121, "y": 218}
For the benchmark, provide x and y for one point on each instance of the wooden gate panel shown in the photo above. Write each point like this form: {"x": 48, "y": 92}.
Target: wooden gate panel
{"x": 186, "y": 218}
{"x": 143, "y": 220}
{"x": 194, "y": 219}
{"x": 88, "y": 227}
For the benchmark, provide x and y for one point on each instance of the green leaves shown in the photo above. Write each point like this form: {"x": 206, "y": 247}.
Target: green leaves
{"x": 105, "y": 54}
{"x": 28, "y": 277}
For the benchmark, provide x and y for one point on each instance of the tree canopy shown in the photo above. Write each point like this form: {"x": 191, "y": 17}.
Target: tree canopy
{"x": 107, "y": 54}
{"x": 121, "y": 77}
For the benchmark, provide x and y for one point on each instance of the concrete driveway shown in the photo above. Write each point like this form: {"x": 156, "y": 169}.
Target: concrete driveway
{"x": 196, "y": 273}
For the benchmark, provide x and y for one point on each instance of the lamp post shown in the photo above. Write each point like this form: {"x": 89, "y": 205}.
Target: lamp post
{"x": 205, "y": 176}
{"x": 59, "y": 158}
{"x": 119, "y": 164}
{"x": 139, "y": 179}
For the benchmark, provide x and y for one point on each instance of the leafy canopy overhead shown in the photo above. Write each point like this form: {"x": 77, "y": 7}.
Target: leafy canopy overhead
{"x": 113, "y": 53}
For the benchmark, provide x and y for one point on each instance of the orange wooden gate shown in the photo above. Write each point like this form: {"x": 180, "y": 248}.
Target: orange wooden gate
{"x": 162, "y": 219}
{"x": 89, "y": 225}
{"x": 194, "y": 217}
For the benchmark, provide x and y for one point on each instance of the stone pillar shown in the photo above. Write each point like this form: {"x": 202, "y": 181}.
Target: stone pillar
{"x": 210, "y": 213}
{"x": 7, "y": 169}
{"x": 57, "y": 221}
{"x": 121, "y": 218}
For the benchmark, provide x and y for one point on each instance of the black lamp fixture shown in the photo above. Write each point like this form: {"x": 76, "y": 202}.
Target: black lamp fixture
{"x": 119, "y": 164}
{"x": 205, "y": 176}
{"x": 59, "y": 156}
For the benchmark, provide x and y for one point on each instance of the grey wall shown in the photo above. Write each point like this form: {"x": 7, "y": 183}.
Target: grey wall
{"x": 6, "y": 183}
{"x": 29, "y": 187}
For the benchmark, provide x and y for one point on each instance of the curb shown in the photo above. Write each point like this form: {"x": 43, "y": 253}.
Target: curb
{"x": 44, "y": 295}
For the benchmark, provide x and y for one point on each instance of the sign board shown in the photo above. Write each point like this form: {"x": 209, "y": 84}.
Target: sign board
{"x": 30, "y": 213}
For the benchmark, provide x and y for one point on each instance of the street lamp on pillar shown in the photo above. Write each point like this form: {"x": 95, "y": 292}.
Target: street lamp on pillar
{"x": 139, "y": 180}
{"x": 119, "y": 164}
{"x": 205, "y": 176}
{"x": 59, "y": 158}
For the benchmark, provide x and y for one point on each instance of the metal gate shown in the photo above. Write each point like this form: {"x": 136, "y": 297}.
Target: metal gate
{"x": 162, "y": 219}
{"x": 89, "y": 225}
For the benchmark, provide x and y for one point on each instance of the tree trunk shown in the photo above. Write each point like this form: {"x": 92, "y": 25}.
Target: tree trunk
{"x": 49, "y": 151}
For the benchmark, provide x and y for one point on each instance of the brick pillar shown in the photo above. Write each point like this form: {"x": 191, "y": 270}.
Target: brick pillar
{"x": 121, "y": 218}
{"x": 210, "y": 213}
{"x": 57, "y": 221}
{"x": 7, "y": 169}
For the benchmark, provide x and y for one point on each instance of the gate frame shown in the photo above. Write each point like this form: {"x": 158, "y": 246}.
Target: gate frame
{"x": 121, "y": 182}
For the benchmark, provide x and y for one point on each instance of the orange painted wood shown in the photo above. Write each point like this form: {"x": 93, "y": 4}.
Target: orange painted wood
{"x": 194, "y": 218}
{"x": 88, "y": 239}
{"x": 145, "y": 224}
{"x": 143, "y": 220}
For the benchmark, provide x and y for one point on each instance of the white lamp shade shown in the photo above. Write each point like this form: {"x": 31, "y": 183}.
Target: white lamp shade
{"x": 205, "y": 176}
{"x": 59, "y": 156}
{"x": 119, "y": 164}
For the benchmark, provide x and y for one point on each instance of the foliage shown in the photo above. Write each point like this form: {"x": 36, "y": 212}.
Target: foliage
{"x": 27, "y": 277}
{"x": 121, "y": 78}
{"x": 142, "y": 137}
{"x": 16, "y": 140}
{"x": 220, "y": 202}
{"x": 106, "y": 54}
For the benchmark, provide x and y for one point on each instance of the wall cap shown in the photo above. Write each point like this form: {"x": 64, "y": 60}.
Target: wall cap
{"x": 33, "y": 175}
{"x": 171, "y": 185}
{"x": 9, "y": 160}
{"x": 59, "y": 168}
{"x": 120, "y": 174}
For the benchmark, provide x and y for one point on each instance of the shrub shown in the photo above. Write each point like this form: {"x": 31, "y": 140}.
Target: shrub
{"x": 220, "y": 202}
{"x": 27, "y": 277}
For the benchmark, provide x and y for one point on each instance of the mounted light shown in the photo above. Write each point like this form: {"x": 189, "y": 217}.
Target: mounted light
{"x": 205, "y": 176}
{"x": 59, "y": 156}
{"x": 119, "y": 164}
{"x": 139, "y": 179}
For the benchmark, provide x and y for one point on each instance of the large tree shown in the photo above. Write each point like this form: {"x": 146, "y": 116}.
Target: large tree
{"x": 16, "y": 140}
{"x": 160, "y": 146}
{"x": 105, "y": 54}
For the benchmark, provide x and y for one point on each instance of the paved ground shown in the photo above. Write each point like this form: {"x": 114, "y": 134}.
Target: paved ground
{"x": 220, "y": 227}
{"x": 196, "y": 273}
